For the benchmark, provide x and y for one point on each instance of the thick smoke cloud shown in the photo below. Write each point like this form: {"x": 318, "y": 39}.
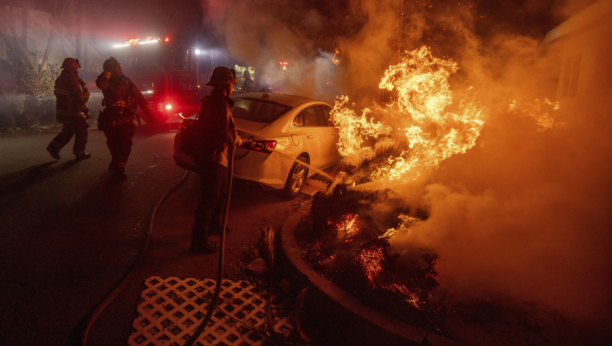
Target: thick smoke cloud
{"x": 525, "y": 213}
{"x": 265, "y": 32}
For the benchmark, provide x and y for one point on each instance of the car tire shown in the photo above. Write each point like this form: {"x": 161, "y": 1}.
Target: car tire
{"x": 297, "y": 178}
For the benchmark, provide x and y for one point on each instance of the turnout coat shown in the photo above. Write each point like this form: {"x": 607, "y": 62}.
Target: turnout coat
{"x": 72, "y": 96}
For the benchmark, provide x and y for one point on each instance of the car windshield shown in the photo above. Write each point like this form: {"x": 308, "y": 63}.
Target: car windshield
{"x": 257, "y": 110}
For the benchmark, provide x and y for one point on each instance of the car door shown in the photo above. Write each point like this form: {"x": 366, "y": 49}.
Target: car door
{"x": 308, "y": 125}
{"x": 329, "y": 137}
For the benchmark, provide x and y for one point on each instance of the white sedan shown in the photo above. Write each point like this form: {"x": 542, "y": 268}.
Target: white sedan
{"x": 294, "y": 138}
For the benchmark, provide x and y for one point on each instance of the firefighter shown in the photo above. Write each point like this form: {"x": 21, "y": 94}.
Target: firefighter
{"x": 121, "y": 98}
{"x": 249, "y": 84}
{"x": 71, "y": 110}
{"x": 218, "y": 132}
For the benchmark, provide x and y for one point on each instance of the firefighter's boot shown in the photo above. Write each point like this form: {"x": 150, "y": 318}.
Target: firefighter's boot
{"x": 54, "y": 152}
{"x": 200, "y": 243}
{"x": 84, "y": 156}
{"x": 118, "y": 171}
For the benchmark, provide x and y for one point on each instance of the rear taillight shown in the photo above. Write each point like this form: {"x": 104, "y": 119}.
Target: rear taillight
{"x": 261, "y": 146}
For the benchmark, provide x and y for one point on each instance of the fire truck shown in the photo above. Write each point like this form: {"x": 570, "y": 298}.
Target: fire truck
{"x": 166, "y": 73}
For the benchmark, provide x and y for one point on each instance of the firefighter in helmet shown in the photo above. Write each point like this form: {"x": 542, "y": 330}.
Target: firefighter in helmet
{"x": 71, "y": 110}
{"x": 249, "y": 84}
{"x": 121, "y": 98}
{"x": 218, "y": 133}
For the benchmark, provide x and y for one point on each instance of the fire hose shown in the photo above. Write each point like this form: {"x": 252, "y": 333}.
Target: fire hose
{"x": 109, "y": 298}
{"x": 215, "y": 298}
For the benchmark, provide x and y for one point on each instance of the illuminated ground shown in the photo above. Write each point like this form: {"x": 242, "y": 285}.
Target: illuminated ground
{"x": 69, "y": 232}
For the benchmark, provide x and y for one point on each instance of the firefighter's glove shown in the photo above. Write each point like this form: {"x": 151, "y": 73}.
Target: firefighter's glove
{"x": 249, "y": 142}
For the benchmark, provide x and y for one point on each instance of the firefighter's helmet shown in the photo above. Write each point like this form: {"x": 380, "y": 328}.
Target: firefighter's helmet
{"x": 71, "y": 63}
{"x": 222, "y": 75}
{"x": 110, "y": 64}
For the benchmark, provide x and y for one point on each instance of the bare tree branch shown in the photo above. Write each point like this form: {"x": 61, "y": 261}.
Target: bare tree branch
{"x": 57, "y": 16}
{"x": 21, "y": 50}
{"x": 43, "y": 63}
{"x": 9, "y": 43}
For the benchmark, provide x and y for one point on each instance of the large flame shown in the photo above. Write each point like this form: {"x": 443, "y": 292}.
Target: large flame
{"x": 427, "y": 129}
{"x": 354, "y": 131}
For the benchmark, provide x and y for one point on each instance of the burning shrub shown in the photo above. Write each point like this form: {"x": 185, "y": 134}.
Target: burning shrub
{"x": 341, "y": 240}
{"x": 413, "y": 282}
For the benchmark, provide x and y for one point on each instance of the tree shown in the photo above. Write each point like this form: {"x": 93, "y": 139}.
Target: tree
{"x": 28, "y": 77}
{"x": 60, "y": 11}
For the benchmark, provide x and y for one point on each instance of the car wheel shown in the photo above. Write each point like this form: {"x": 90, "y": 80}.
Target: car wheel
{"x": 297, "y": 178}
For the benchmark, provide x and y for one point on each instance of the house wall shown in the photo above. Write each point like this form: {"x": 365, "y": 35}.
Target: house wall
{"x": 586, "y": 69}
{"x": 584, "y": 44}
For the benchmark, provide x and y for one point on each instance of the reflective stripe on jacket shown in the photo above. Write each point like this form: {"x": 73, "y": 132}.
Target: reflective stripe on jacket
{"x": 121, "y": 98}
{"x": 71, "y": 97}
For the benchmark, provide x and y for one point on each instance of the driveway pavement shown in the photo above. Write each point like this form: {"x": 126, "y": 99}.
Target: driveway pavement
{"x": 70, "y": 233}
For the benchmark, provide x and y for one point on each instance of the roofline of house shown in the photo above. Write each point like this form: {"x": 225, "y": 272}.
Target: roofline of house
{"x": 591, "y": 17}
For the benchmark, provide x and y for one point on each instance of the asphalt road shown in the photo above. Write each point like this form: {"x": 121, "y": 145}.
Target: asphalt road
{"x": 70, "y": 232}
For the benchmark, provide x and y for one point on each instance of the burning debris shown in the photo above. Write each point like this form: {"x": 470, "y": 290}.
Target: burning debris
{"x": 346, "y": 237}
{"x": 342, "y": 240}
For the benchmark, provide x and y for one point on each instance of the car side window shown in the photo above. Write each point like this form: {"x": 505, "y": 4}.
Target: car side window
{"x": 298, "y": 121}
{"x": 312, "y": 117}
{"x": 326, "y": 116}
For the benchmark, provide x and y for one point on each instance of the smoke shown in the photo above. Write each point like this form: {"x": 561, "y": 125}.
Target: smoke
{"x": 526, "y": 212}
{"x": 263, "y": 33}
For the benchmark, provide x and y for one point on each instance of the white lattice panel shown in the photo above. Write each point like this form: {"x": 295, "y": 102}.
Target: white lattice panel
{"x": 172, "y": 308}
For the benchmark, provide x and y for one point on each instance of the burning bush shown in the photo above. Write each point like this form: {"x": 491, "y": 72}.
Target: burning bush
{"x": 341, "y": 240}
